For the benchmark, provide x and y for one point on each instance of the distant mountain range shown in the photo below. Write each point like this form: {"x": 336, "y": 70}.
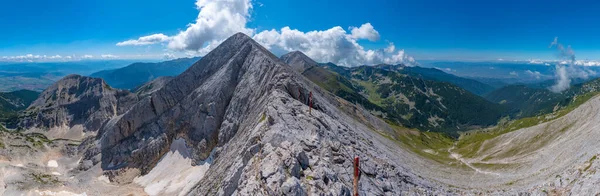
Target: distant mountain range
{"x": 414, "y": 97}
{"x": 532, "y": 100}
{"x": 470, "y": 85}
{"x": 39, "y": 76}
{"x": 136, "y": 74}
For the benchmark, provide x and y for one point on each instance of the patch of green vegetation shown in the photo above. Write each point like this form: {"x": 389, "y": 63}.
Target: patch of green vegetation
{"x": 37, "y": 140}
{"x": 511, "y": 183}
{"x": 309, "y": 178}
{"x": 432, "y": 145}
{"x": 44, "y": 178}
{"x": 590, "y": 162}
{"x": 371, "y": 89}
{"x": 263, "y": 118}
{"x": 494, "y": 166}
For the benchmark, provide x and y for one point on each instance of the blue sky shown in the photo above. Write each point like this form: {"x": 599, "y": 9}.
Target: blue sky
{"x": 454, "y": 30}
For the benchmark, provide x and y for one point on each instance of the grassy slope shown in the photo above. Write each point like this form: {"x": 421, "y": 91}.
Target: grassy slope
{"x": 470, "y": 143}
{"x": 339, "y": 86}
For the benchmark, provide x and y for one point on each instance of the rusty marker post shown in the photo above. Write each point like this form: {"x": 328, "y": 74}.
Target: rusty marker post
{"x": 310, "y": 102}
{"x": 356, "y": 175}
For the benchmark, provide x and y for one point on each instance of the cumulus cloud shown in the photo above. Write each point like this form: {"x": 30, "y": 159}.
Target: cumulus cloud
{"x": 514, "y": 73}
{"x": 331, "y": 45}
{"x": 109, "y": 56}
{"x": 169, "y": 56}
{"x": 365, "y": 31}
{"x": 32, "y": 58}
{"x": 219, "y": 19}
{"x": 55, "y": 57}
{"x": 567, "y": 68}
{"x": 146, "y": 40}
{"x": 87, "y": 56}
{"x": 534, "y": 74}
{"x": 563, "y": 80}
{"x": 535, "y": 61}
{"x": 445, "y": 69}
{"x": 391, "y": 48}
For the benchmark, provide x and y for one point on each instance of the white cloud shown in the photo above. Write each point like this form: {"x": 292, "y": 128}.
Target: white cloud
{"x": 55, "y": 57}
{"x": 445, "y": 69}
{"x": 391, "y": 48}
{"x": 568, "y": 67}
{"x": 216, "y": 21}
{"x": 146, "y": 40}
{"x": 169, "y": 56}
{"x": 563, "y": 80}
{"x": 31, "y": 58}
{"x": 109, "y": 56}
{"x": 331, "y": 45}
{"x": 87, "y": 56}
{"x": 535, "y": 61}
{"x": 365, "y": 31}
{"x": 219, "y": 19}
{"x": 535, "y": 74}
{"x": 513, "y": 73}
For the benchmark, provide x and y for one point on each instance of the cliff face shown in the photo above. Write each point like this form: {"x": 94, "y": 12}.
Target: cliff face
{"x": 76, "y": 100}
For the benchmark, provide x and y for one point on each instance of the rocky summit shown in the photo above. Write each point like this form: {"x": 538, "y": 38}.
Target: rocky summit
{"x": 298, "y": 61}
{"x": 76, "y": 101}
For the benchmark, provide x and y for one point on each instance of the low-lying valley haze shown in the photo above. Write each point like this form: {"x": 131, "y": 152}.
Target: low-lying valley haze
{"x": 268, "y": 97}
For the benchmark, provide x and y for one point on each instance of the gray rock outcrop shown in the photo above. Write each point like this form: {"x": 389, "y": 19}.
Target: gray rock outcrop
{"x": 77, "y": 100}
{"x": 152, "y": 86}
{"x": 298, "y": 60}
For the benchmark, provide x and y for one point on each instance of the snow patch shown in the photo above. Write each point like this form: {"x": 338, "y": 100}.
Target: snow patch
{"x": 60, "y": 193}
{"x": 52, "y": 163}
{"x": 174, "y": 173}
{"x": 104, "y": 179}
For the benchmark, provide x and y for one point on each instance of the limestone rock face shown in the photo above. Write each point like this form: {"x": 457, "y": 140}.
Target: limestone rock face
{"x": 298, "y": 60}
{"x": 77, "y": 100}
{"x": 152, "y": 86}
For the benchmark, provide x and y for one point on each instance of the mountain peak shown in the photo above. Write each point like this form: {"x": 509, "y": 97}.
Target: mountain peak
{"x": 76, "y": 100}
{"x": 298, "y": 60}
